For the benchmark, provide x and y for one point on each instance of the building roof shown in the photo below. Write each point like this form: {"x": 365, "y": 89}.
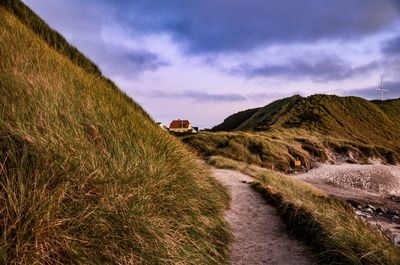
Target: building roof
{"x": 176, "y": 124}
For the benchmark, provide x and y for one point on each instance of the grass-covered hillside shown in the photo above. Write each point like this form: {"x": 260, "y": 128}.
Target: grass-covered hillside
{"x": 86, "y": 177}
{"x": 234, "y": 121}
{"x": 352, "y": 118}
{"x": 391, "y": 108}
{"x": 319, "y": 127}
{"x": 259, "y": 118}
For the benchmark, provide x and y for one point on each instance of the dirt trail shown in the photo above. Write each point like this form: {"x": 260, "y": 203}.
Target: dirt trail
{"x": 260, "y": 234}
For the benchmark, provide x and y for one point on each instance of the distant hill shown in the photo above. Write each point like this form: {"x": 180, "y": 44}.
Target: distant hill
{"x": 322, "y": 128}
{"x": 86, "y": 176}
{"x": 344, "y": 117}
{"x": 235, "y": 120}
{"x": 256, "y": 118}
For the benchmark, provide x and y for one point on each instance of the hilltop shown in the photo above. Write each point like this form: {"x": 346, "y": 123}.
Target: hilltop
{"x": 343, "y": 117}
{"x": 86, "y": 176}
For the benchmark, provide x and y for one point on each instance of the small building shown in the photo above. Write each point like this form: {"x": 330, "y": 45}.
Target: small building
{"x": 181, "y": 126}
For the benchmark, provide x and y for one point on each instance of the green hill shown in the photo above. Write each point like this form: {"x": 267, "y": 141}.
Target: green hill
{"x": 235, "y": 120}
{"x": 391, "y": 107}
{"x": 86, "y": 177}
{"x": 346, "y": 117}
{"x": 257, "y": 119}
{"x": 315, "y": 128}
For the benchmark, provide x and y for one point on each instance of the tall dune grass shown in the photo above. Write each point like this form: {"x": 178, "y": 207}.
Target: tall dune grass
{"x": 279, "y": 149}
{"x": 86, "y": 177}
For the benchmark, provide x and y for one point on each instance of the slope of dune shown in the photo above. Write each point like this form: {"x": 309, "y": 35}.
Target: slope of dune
{"x": 350, "y": 118}
{"x": 319, "y": 128}
{"x": 86, "y": 177}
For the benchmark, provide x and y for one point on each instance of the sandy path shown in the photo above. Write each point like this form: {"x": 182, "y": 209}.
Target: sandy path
{"x": 260, "y": 235}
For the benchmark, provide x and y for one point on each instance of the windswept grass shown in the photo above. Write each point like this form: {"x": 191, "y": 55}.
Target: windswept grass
{"x": 246, "y": 147}
{"x": 328, "y": 224}
{"x": 322, "y": 127}
{"x": 351, "y": 118}
{"x": 86, "y": 177}
{"x": 279, "y": 149}
{"x": 53, "y": 38}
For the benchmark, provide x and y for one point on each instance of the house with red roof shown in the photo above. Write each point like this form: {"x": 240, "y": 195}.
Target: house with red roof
{"x": 181, "y": 126}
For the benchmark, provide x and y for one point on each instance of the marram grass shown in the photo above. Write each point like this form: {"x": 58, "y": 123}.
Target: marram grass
{"x": 279, "y": 148}
{"x": 86, "y": 177}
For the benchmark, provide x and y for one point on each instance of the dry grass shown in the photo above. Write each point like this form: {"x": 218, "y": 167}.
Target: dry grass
{"x": 328, "y": 224}
{"x": 314, "y": 128}
{"x": 279, "y": 149}
{"x": 86, "y": 177}
{"x": 350, "y": 118}
{"x": 244, "y": 146}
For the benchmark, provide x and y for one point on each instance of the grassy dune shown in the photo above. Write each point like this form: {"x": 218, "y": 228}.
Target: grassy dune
{"x": 86, "y": 177}
{"x": 315, "y": 128}
{"x": 328, "y": 224}
{"x": 351, "y": 118}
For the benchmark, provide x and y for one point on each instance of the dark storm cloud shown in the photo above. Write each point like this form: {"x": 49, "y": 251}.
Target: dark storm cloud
{"x": 393, "y": 91}
{"x": 122, "y": 61}
{"x": 139, "y": 60}
{"x": 210, "y": 26}
{"x": 392, "y": 46}
{"x": 198, "y": 96}
{"x": 238, "y": 25}
{"x": 325, "y": 68}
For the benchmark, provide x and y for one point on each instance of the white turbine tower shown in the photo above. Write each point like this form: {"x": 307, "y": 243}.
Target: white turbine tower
{"x": 381, "y": 90}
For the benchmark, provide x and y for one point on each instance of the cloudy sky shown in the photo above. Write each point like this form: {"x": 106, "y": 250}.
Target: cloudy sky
{"x": 203, "y": 60}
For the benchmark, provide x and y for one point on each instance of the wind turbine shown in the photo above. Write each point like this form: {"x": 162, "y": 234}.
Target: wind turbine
{"x": 381, "y": 90}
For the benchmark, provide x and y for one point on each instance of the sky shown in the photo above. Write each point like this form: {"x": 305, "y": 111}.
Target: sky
{"x": 204, "y": 60}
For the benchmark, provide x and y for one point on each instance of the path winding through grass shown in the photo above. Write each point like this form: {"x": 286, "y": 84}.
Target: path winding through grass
{"x": 261, "y": 236}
